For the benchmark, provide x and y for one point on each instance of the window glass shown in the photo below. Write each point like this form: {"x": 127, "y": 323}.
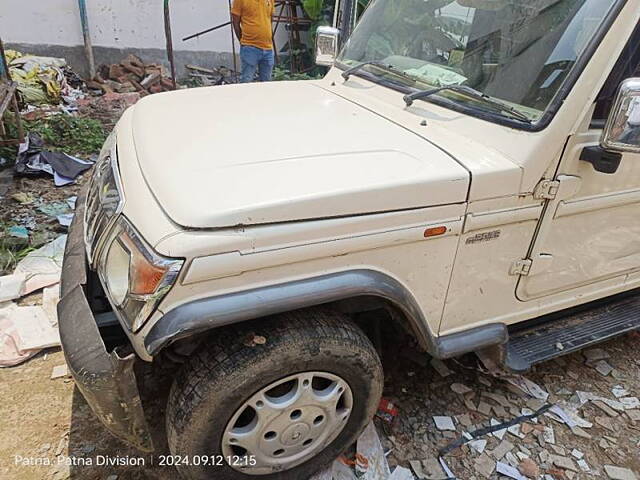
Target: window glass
{"x": 517, "y": 51}
{"x": 628, "y": 66}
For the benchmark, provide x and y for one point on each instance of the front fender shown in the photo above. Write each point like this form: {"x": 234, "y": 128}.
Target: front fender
{"x": 207, "y": 313}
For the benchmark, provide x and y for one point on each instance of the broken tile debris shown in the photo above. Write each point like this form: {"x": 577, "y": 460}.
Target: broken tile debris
{"x": 619, "y": 473}
{"x": 461, "y": 389}
{"x": 444, "y": 423}
{"x": 59, "y": 371}
{"x": 603, "y": 367}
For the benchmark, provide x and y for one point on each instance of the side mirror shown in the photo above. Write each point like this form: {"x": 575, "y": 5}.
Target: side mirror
{"x": 622, "y": 131}
{"x": 326, "y": 45}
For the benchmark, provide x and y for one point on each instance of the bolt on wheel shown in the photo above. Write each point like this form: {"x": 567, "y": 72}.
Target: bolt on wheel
{"x": 288, "y": 422}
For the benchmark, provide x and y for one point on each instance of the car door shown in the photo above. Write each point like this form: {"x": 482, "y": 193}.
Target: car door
{"x": 589, "y": 235}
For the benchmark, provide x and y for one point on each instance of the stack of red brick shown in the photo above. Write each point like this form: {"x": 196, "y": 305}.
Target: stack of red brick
{"x": 131, "y": 75}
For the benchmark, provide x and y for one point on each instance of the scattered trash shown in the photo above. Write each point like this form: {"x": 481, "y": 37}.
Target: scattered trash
{"x": 23, "y": 198}
{"x": 18, "y": 231}
{"x": 494, "y": 427}
{"x": 577, "y": 454}
{"x": 54, "y": 209}
{"x": 444, "y": 423}
{"x": 619, "y": 391}
{"x": 499, "y": 434}
{"x": 24, "y": 331}
{"x": 446, "y": 468}
{"x": 619, "y": 473}
{"x": 50, "y": 298}
{"x": 603, "y": 367}
{"x": 341, "y": 471}
{"x": 584, "y": 466}
{"x": 42, "y": 268}
{"x": 527, "y": 386}
{"x": 40, "y": 80}
{"x": 562, "y": 415}
{"x": 212, "y": 76}
{"x": 630, "y": 403}
{"x": 11, "y": 287}
{"x": 387, "y": 411}
{"x": 369, "y": 447}
{"x": 509, "y": 471}
{"x": 34, "y": 160}
{"x": 65, "y": 219}
{"x": 71, "y": 202}
{"x": 401, "y": 473}
{"x": 59, "y": 371}
{"x": 478, "y": 445}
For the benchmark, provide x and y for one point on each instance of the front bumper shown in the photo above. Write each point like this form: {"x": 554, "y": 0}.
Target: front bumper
{"x": 107, "y": 380}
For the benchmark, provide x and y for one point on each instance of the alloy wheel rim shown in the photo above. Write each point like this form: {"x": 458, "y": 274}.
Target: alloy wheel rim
{"x": 287, "y": 422}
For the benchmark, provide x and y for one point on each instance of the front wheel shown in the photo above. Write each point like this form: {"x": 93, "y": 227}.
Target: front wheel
{"x": 278, "y": 410}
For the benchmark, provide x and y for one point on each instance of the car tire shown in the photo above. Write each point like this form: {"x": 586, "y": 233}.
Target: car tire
{"x": 221, "y": 381}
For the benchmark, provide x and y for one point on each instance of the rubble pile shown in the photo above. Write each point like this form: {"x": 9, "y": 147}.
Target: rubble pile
{"x": 569, "y": 419}
{"x": 107, "y": 108}
{"x": 131, "y": 75}
{"x": 458, "y": 420}
{"x": 213, "y": 76}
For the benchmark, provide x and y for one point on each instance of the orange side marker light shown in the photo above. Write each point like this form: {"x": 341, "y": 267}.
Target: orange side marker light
{"x": 435, "y": 231}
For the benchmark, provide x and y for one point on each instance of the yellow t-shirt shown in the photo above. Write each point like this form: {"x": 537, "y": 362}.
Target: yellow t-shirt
{"x": 255, "y": 20}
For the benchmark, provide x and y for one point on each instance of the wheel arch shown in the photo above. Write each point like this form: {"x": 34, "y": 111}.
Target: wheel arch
{"x": 205, "y": 314}
{"x": 212, "y": 312}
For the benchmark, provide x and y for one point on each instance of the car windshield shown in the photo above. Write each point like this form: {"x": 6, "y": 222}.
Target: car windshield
{"x": 516, "y": 51}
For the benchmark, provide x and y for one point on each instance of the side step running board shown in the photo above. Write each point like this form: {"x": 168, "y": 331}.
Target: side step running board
{"x": 573, "y": 332}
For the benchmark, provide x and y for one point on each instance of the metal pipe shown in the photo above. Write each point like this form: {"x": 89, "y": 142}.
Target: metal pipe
{"x": 167, "y": 34}
{"x": 208, "y": 30}
{"x": 86, "y": 33}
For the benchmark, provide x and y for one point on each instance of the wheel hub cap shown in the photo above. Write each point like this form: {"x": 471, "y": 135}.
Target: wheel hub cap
{"x": 288, "y": 422}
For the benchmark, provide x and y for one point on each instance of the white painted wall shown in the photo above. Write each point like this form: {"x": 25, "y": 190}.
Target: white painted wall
{"x": 115, "y": 23}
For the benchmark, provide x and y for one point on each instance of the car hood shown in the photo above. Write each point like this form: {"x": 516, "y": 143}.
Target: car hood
{"x": 283, "y": 151}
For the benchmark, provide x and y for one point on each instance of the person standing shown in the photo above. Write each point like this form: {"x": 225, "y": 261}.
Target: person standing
{"x": 252, "y": 25}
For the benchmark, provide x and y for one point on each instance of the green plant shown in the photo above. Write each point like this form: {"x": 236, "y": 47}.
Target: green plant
{"x": 61, "y": 132}
{"x": 281, "y": 73}
{"x": 73, "y": 135}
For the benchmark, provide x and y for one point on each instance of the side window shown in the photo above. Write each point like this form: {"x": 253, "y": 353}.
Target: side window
{"x": 628, "y": 65}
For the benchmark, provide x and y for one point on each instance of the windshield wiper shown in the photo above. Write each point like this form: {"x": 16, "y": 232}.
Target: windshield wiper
{"x": 472, "y": 92}
{"x": 381, "y": 65}
{"x": 348, "y": 72}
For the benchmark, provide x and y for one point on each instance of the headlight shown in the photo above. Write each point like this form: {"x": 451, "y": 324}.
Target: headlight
{"x": 136, "y": 278}
{"x": 104, "y": 200}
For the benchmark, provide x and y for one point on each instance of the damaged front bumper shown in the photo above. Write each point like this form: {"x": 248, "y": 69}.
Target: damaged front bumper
{"x": 106, "y": 379}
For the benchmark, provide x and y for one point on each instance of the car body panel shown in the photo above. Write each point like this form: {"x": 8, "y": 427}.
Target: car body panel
{"x": 212, "y": 170}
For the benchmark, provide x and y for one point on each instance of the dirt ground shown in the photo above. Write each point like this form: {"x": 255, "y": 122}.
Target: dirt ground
{"x": 47, "y": 419}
